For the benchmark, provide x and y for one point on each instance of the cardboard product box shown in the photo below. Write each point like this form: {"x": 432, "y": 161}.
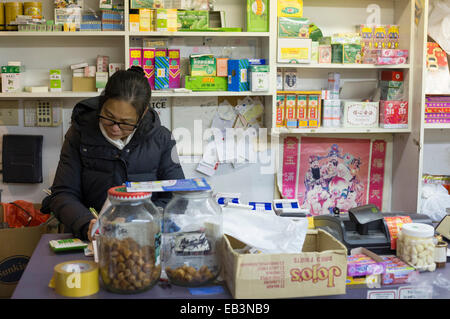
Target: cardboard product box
{"x": 280, "y": 79}
{"x": 290, "y": 8}
{"x": 10, "y": 78}
{"x": 294, "y": 50}
{"x": 138, "y": 4}
{"x": 161, "y": 72}
{"x": 397, "y": 272}
{"x": 331, "y": 111}
{"x": 319, "y": 270}
{"x": 324, "y": 53}
{"x": 166, "y": 20}
{"x": 314, "y": 110}
{"x": 148, "y": 65}
{"x": 291, "y": 106}
{"x": 392, "y": 76}
{"x": 202, "y": 65}
{"x": 134, "y": 22}
{"x": 259, "y": 78}
{"x": 55, "y": 80}
{"x": 351, "y": 54}
{"x": 135, "y": 57}
{"x": 394, "y": 114}
{"x": 114, "y": 67}
{"x": 101, "y": 78}
{"x": 174, "y": 68}
{"x": 281, "y": 110}
{"x": 206, "y": 83}
{"x": 221, "y": 66}
{"x": 366, "y": 32}
{"x": 315, "y": 52}
{"x": 289, "y": 27}
{"x": 83, "y": 84}
{"x": 392, "y": 93}
{"x": 192, "y": 20}
{"x": 337, "y": 53}
{"x": 145, "y": 20}
{"x": 302, "y": 109}
{"x": 360, "y": 114}
{"x": 238, "y": 75}
{"x": 291, "y": 79}
{"x": 257, "y": 16}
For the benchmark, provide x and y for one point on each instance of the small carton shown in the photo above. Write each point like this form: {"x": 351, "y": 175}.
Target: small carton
{"x": 291, "y": 118}
{"x": 174, "y": 68}
{"x": 114, "y": 67}
{"x": 337, "y": 53}
{"x": 83, "y": 84}
{"x": 259, "y": 78}
{"x": 394, "y": 114}
{"x": 324, "y": 53}
{"x": 319, "y": 270}
{"x": 331, "y": 111}
{"x": 257, "y": 16}
{"x": 392, "y": 36}
{"x": 315, "y": 52}
{"x": 238, "y": 75}
{"x": 291, "y": 79}
{"x": 221, "y": 66}
{"x": 281, "y": 110}
{"x": 202, "y": 65}
{"x": 290, "y": 8}
{"x": 351, "y": 54}
{"x": 161, "y": 72}
{"x": 206, "y": 83}
{"x": 55, "y": 80}
{"x": 302, "y": 110}
{"x": 289, "y": 27}
{"x": 366, "y": 33}
{"x": 148, "y": 65}
{"x": 10, "y": 78}
{"x": 392, "y": 76}
{"x": 101, "y": 78}
{"x": 166, "y": 20}
{"x": 135, "y": 57}
{"x": 397, "y": 272}
{"x": 145, "y": 20}
{"x": 134, "y": 22}
{"x": 294, "y": 50}
{"x": 314, "y": 110}
{"x": 379, "y": 37}
{"x": 192, "y": 20}
{"x": 148, "y": 4}
{"x": 360, "y": 114}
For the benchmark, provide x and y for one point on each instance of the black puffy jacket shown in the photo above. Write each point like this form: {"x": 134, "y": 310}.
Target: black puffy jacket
{"x": 89, "y": 165}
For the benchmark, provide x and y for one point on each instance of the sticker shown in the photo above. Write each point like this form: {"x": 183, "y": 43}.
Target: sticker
{"x": 382, "y": 294}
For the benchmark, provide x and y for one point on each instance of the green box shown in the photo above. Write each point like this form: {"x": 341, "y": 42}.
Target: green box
{"x": 202, "y": 65}
{"x": 258, "y": 15}
{"x": 293, "y": 27}
{"x": 55, "y": 80}
{"x": 10, "y": 69}
{"x": 206, "y": 83}
{"x": 391, "y": 84}
{"x": 337, "y": 53}
{"x": 351, "y": 53}
{"x": 143, "y": 4}
{"x": 192, "y": 20}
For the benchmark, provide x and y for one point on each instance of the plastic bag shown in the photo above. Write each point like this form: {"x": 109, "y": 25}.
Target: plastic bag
{"x": 439, "y": 23}
{"x": 22, "y": 214}
{"x": 435, "y": 200}
{"x": 268, "y": 233}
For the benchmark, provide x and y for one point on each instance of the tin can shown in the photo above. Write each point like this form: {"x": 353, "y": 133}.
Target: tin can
{"x": 2, "y": 16}
{"x": 33, "y": 9}
{"x": 12, "y": 10}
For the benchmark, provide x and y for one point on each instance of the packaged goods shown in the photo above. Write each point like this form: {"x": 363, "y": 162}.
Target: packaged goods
{"x": 148, "y": 65}
{"x": 290, "y": 8}
{"x": 145, "y": 20}
{"x": 334, "y": 81}
{"x": 392, "y": 93}
{"x": 11, "y": 78}
{"x": 174, "y": 68}
{"x": 134, "y": 22}
{"x": 324, "y": 53}
{"x": 166, "y": 20}
{"x": 331, "y": 110}
{"x": 302, "y": 110}
{"x": 206, "y": 83}
{"x": 100, "y": 79}
{"x": 392, "y": 37}
{"x": 314, "y": 110}
{"x": 394, "y": 114}
{"x": 363, "y": 265}
{"x": 337, "y": 53}
{"x": 314, "y": 52}
{"x": 415, "y": 246}
{"x": 294, "y": 50}
{"x": 55, "y": 80}
{"x": 366, "y": 33}
{"x": 161, "y": 72}
{"x": 192, "y": 20}
{"x": 379, "y": 37}
{"x": 351, "y": 53}
{"x": 257, "y": 16}
{"x": 135, "y": 57}
{"x": 291, "y": 120}
{"x": 397, "y": 272}
{"x": 392, "y": 76}
{"x": 390, "y": 61}
{"x": 202, "y": 65}
{"x": 238, "y": 75}
{"x": 222, "y": 66}
{"x": 291, "y": 79}
{"x": 128, "y": 242}
{"x": 259, "y": 78}
{"x": 281, "y": 110}
{"x": 360, "y": 114}
{"x": 280, "y": 80}
{"x": 289, "y": 27}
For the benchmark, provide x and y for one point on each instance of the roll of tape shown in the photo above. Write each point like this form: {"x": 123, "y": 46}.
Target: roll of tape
{"x": 78, "y": 278}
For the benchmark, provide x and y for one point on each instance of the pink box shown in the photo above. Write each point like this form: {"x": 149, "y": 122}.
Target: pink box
{"x": 148, "y": 64}
{"x": 389, "y": 61}
{"x": 446, "y": 120}
{"x": 135, "y": 57}
{"x": 394, "y": 114}
{"x": 174, "y": 68}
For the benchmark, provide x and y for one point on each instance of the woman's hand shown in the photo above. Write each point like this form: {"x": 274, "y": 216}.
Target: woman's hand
{"x": 91, "y": 224}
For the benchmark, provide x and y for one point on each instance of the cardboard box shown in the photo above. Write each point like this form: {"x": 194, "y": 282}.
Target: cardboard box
{"x": 202, "y": 65}
{"x": 145, "y": 20}
{"x": 291, "y": 79}
{"x": 281, "y": 110}
{"x": 161, "y": 72}
{"x": 319, "y": 270}
{"x": 55, "y": 80}
{"x": 148, "y": 65}
{"x": 15, "y": 255}
{"x": 290, "y": 8}
{"x": 293, "y": 27}
{"x": 257, "y": 16}
{"x": 221, "y": 66}
{"x": 291, "y": 108}
{"x": 294, "y": 50}
{"x": 166, "y": 20}
{"x": 259, "y": 78}
{"x": 302, "y": 108}
{"x": 397, "y": 272}
{"x": 206, "y": 83}
{"x": 360, "y": 114}
{"x": 134, "y": 22}
{"x": 324, "y": 53}
{"x": 174, "y": 68}
{"x": 238, "y": 75}
{"x": 135, "y": 57}
{"x": 137, "y": 4}
{"x": 394, "y": 114}
{"x": 314, "y": 110}
{"x": 192, "y": 20}
{"x": 83, "y": 84}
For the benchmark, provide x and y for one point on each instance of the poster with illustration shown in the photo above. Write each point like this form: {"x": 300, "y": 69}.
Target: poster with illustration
{"x": 333, "y": 173}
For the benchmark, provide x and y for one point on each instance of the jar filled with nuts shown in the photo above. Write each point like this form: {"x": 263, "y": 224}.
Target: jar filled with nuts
{"x": 192, "y": 238}
{"x": 129, "y": 242}
{"x": 415, "y": 246}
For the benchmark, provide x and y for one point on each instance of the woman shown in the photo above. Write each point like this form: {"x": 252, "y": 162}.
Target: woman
{"x": 114, "y": 138}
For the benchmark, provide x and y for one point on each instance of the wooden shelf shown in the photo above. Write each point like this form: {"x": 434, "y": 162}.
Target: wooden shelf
{"x": 337, "y": 130}
{"x": 342, "y": 66}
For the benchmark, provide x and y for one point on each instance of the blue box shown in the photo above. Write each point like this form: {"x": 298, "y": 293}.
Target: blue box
{"x": 178, "y": 185}
{"x": 161, "y": 72}
{"x": 238, "y": 75}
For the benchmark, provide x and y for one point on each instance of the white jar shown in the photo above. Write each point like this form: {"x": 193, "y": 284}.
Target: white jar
{"x": 415, "y": 246}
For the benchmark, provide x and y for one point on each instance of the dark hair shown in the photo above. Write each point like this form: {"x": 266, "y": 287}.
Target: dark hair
{"x": 131, "y": 86}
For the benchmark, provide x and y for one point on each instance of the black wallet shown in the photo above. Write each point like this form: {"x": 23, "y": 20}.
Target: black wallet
{"x": 22, "y": 158}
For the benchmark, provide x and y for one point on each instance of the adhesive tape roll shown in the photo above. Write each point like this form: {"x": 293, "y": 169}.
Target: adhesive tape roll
{"x": 78, "y": 278}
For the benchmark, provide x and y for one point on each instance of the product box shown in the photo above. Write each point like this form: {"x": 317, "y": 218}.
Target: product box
{"x": 55, "y": 80}
{"x": 337, "y": 53}
{"x": 334, "y": 81}
{"x": 315, "y": 52}
{"x": 391, "y": 84}
{"x": 135, "y": 57}
{"x": 138, "y": 4}
{"x": 90, "y": 71}
{"x": 114, "y": 67}
{"x": 281, "y": 110}
{"x": 393, "y": 36}
{"x": 145, "y": 20}
{"x": 360, "y": 114}
{"x": 102, "y": 63}
{"x": 291, "y": 107}
{"x": 392, "y": 76}
{"x": 134, "y": 22}
{"x": 206, "y": 83}
{"x": 259, "y": 78}
{"x": 289, "y": 27}
{"x": 10, "y": 78}
{"x": 391, "y": 61}
{"x": 221, "y": 66}
{"x": 313, "y": 110}
{"x": 366, "y": 33}
{"x": 319, "y": 270}
{"x": 379, "y": 37}
{"x": 331, "y": 110}
{"x": 363, "y": 262}
{"x": 391, "y": 93}
{"x": 192, "y": 20}
{"x": 101, "y": 78}
{"x": 291, "y": 79}
{"x": 15, "y": 255}
{"x": 280, "y": 79}
{"x": 166, "y": 20}
{"x": 238, "y": 75}
{"x": 294, "y": 50}
{"x": 257, "y": 16}
{"x": 83, "y": 84}
{"x": 394, "y": 114}
{"x": 302, "y": 110}
{"x": 68, "y": 16}
{"x": 179, "y": 185}
{"x": 324, "y": 53}
{"x": 202, "y": 65}
{"x": 161, "y": 72}
{"x": 290, "y": 8}
{"x": 351, "y": 54}
{"x": 174, "y": 68}
{"x": 397, "y": 272}
{"x": 257, "y": 61}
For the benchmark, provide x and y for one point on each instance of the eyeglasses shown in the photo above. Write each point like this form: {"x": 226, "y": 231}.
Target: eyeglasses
{"x": 123, "y": 126}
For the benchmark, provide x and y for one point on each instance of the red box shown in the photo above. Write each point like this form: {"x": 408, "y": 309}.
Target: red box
{"x": 394, "y": 114}
{"x": 391, "y": 75}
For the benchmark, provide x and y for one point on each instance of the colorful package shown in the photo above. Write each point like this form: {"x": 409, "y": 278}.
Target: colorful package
{"x": 390, "y": 61}
{"x": 291, "y": 120}
{"x": 206, "y": 83}
{"x": 281, "y": 110}
{"x": 360, "y": 114}
{"x": 202, "y": 65}
{"x": 379, "y": 37}
{"x": 257, "y": 15}
{"x": 221, "y": 66}
{"x": 313, "y": 110}
{"x": 396, "y": 271}
{"x": 161, "y": 72}
{"x": 166, "y": 20}
{"x": 290, "y": 8}
{"x": 302, "y": 110}
{"x": 238, "y": 75}
{"x": 174, "y": 68}
{"x": 289, "y": 27}
{"x": 393, "y": 36}
{"x": 362, "y": 265}
{"x": 148, "y": 64}
{"x": 324, "y": 53}
{"x": 135, "y": 57}
{"x": 192, "y": 20}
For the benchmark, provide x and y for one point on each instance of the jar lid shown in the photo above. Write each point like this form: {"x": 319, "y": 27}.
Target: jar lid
{"x": 120, "y": 193}
{"x": 418, "y": 230}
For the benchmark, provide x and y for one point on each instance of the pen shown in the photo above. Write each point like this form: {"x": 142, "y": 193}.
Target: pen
{"x": 93, "y": 212}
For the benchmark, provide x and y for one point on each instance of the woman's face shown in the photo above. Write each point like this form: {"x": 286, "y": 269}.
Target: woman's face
{"x": 119, "y": 111}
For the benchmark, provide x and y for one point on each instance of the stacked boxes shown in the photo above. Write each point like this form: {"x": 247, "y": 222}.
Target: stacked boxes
{"x": 391, "y": 85}
{"x": 437, "y": 109}
{"x": 298, "y": 109}
{"x": 379, "y": 37}
{"x": 331, "y": 109}
{"x": 112, "y": 20}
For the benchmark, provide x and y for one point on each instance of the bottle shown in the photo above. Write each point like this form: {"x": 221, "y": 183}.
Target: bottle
{"x": 129, "y": 242}
{"x": 192, "y": 238}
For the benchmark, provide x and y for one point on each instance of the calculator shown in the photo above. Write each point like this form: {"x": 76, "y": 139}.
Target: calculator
{"x": 67, "y": 244}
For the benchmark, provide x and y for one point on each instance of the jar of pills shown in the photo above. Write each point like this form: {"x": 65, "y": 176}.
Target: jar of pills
{"x": 415, "y": 246}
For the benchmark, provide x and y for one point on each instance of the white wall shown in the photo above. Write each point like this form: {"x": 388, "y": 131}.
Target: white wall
{"x": 436, "y": 152}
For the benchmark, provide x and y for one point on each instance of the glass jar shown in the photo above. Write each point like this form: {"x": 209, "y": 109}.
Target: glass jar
{"x": 192, "y": 237}
{"x": 415, "y": 246}
{"x": 129, "y": 242}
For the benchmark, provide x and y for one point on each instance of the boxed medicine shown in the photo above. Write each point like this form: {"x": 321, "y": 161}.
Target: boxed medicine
{"x": 360, "y": 114}
{"x": 259, "y": 78}
{"x": 206, "y": 83}
{"x": 394, "y": 114}
{"x": 166, "y": 20}
{"x": 161, "y": 72}
{"x": 281, "y": 110}
{"x": 221, "y": 66}
{"x": 289, "y": 27}
{"x": 202, "y": 65}
{"x": 174, "y": 68}
{"x": 294, "y": 50}
{"x": 257, "y": 16}
{"x": 10, "y": 78}
{"x": 291, "y": 118}
{"x": 238, "y": 75}
{"x": 55, "y": 80}
{"x": 291, "y": 79}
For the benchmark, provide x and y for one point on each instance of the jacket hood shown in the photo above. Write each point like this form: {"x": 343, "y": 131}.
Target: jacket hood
{"x": 84, "y": 118}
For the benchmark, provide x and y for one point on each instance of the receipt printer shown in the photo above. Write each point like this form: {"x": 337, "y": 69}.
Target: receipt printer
{"x": 364, "y": 226}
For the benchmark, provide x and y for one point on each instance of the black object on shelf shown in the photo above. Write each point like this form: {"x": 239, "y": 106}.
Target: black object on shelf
{"x": 22, "y": 158}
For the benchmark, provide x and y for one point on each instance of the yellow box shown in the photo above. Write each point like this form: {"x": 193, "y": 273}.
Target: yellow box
{"x": 84, "y": 84}
{"x": 303, "y": 123}
{"x": 144, "y": 20}
{"x": 134, "y": 22}
{"x": 290, "y": 8}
